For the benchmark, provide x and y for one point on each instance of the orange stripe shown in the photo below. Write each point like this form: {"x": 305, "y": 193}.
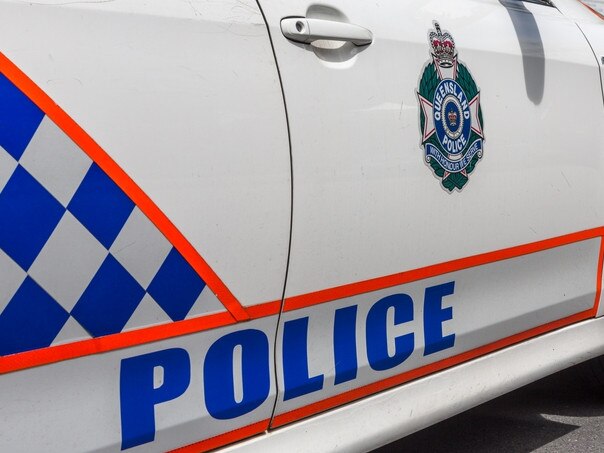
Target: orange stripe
{"x": 393, "y": 381}
{"x": 264, "y": 310}
{"x": 102, "y": 159}
{"x": 340, "y": 292}
{"x": 122, "y": 340}
{"x": 53, "y": 354}
{"x": 599, "y": 278}
{"x": 223, "y": 439}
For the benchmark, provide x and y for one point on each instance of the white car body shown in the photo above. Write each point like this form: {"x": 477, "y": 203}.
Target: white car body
{"x": 214, "y": 234}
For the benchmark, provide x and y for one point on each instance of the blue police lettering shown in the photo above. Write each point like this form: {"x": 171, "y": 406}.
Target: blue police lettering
{"x": 377, "y": 332}
{"x": 139, "y": 396}
{"x": 218, "y": 374}
{"x": 434, "y": 316}
{"x": 295, "y": 361}
{"x": 344, "y": 344}
{"x": 298, "y": 382}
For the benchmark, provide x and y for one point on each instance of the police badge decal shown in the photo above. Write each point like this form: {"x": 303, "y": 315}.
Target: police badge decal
{"x": 450, "y": 116}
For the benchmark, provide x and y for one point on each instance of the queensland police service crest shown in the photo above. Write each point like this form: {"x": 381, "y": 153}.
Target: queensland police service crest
{"x": 450, "y": 116}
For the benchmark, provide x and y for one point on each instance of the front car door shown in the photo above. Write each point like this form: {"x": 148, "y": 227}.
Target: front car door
{"x": 447, "y": 190}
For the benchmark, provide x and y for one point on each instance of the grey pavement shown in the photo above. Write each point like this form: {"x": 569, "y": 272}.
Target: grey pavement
{"x": 561, "y": 413}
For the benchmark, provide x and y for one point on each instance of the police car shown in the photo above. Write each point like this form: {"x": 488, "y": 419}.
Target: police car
{"x": 290, "y": 226}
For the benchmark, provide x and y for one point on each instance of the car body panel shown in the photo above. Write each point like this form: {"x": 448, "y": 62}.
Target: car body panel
{"x": 389, "y": 415}
{"x": 357, "y": 345}
{"x": 82, "y": 404}
{"x": 167, "y": 117}
{"x": 123, "y": 202}
{"x": 590, "y": 21}
{"x": 178, "y": 111}
{"x": 364, "y": 207}
{"x": 367, "y": 209}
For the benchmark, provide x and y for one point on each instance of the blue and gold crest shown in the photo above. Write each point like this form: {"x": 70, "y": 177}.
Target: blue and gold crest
{"x": 451, "y": 123}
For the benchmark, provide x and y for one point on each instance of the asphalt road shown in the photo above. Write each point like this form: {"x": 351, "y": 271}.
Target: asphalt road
{"x": 561, "y": 413}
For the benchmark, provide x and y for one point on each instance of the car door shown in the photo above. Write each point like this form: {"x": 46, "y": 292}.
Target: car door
{"x": 447, "y": 199}
{"x": 144, "y": 224}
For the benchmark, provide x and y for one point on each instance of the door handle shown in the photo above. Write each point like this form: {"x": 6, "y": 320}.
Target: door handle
{"x": 302, "y": 29}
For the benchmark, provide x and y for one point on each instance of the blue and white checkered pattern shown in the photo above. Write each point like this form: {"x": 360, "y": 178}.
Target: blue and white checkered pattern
{"x": 78, "y": 259}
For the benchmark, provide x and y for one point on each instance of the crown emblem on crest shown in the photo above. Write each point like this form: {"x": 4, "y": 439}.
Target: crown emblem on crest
{"x": 443, "y": 47}
{"x": 452, "y": 118}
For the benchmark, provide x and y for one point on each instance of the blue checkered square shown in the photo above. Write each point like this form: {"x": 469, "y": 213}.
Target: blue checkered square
{"x": 28, "y": 216}
{"x": 19, "y": 118}
{"x": 31, "y": 320}
{"x": 78, "y": 258}
{"x": 101, "y": 206}
{"x": 109, "y": 300}
{"x": 176, "y": 286}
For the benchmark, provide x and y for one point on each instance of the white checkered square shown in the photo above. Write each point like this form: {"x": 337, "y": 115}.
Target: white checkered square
{"x": 71, "y": 331}
{"x": 7, "y": 167}
{"x": 11, "y": 277}
{"x": 148, "y": 313}
{"x": 206, "y": 304}
{"x": 55, "y": 161}
{"x": 68, "y": 261}
{"x": 140, "y": 247}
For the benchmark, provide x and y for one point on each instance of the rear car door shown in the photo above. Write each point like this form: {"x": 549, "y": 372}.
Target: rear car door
{"x": 144, "y": 224}
{"x": 447, "y": 191}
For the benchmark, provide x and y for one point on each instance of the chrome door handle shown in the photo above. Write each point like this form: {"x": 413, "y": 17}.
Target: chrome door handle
{"x": 302, "y": 29}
